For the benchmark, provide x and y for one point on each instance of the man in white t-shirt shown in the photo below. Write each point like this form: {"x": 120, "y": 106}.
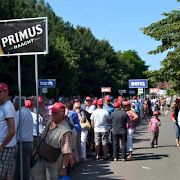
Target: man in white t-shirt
{"x": 99, "y": 120}
{"x": 7, "y": 134}
{"x": 88, "y": 103}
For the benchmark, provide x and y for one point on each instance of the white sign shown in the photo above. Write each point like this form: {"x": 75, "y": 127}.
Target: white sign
{"x": 44, "y": 90}
{"x": 153, "y": 90}
{"x": 105, "y": 89}
{"x": 140, "y": 91}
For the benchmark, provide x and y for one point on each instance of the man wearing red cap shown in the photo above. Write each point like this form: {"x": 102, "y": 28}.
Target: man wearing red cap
{"x": 88, "y": 103}
{"x": 58, "y": 135}
{"x": 7, "y": 133}
{"x": 99, "y": 119}
{"x": 119, "y": 131}
{"x": 110, "y": 108}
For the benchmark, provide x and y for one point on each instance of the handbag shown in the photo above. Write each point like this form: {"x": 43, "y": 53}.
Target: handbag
{"x": 85, "y": 125}
{"x": 48, "y": 152}
{"x": 45, "y": 150}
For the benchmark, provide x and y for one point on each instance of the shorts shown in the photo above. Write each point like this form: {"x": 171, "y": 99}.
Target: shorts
{"x": 100, "y": 137}
{"x": 7, "y": 161}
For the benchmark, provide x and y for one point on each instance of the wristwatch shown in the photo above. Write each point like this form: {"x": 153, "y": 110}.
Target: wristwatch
{"x": 63, "y": 166}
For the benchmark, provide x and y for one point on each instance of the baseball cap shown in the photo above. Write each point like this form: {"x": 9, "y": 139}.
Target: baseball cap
{"x": 116, "y": 104}
{"x": 126, "y": 103}
{"x": 100, "y": 102}
{"x": 94, "y": 102}
{"x": 88, "y": 98}
{"x": 155, "y": 113}
{"x": 40, "y": 99}
{"x": 28, "y": 103}
{"x": 3, "y": 87}
{"x": 107, "y": 98}
{"x": 58, "y": 106}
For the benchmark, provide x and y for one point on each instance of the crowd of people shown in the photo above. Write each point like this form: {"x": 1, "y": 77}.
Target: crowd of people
{"x": 48, "y": 138}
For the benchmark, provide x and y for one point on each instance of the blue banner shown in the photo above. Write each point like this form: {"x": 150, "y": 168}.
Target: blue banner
{"x": 138, "y": 83}
{"x": 47, "y": 83}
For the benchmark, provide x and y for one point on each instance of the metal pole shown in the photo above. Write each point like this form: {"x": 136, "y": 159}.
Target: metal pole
{"x": 37, "y": 94}
{"x": 20, "y": 118}
{"x": 144, "y": 93}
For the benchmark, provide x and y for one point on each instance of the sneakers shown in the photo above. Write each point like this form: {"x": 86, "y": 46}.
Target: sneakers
{"x": 123, "y": 160}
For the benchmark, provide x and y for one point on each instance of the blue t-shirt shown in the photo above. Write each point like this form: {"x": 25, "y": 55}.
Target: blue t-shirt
{"x": 109, "y": 108}
{"x": 74, "y": 117}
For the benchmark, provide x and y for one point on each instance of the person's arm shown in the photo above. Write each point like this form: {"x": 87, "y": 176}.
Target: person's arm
{"x": 66, "y": 147}
{"x": 10, "y": 132}
{"x": 81, "y": 116}
{"x": 172, "y": 117}
{"x": 134, "y": 115}
{"x": 159, "y": 122}
{"x": 92, "y": 120}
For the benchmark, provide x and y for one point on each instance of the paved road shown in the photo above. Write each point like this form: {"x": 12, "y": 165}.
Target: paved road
{"x": 162, "y": 163}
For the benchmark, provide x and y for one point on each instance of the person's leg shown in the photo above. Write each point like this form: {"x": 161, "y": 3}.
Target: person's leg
{"x": 10, "y": 165}
{"x": 130, "y": 142}
{"x": 104, "y": 140}
{"x": 84, "y": 134}
{"x": 78, "y": 143}
{"x": 153, "y": 139}
{"x": 27, "y": 149}
{"x": 53, "y": 169}
{"x": 115, "y": 146}
{"x": 156, "y": 138}
{"x": 97, "y": 137}
{"x": 177, "y": 130}
{"x": 38, "y": 172}
{"x": 123, "y": 138}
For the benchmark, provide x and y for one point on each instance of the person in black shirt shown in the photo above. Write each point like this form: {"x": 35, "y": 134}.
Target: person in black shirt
{"x": 119, "y": 129}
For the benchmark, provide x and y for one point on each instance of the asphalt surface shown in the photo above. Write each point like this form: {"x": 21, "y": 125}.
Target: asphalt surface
{"x": 161, "y": 163}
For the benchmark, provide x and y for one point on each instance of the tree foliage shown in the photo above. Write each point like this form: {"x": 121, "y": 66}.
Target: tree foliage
{"x": 80, "y": 63}
{"x": 167, "y": 31}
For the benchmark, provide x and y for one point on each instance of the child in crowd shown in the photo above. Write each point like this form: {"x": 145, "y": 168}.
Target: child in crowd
{"x": 154, "y": 128}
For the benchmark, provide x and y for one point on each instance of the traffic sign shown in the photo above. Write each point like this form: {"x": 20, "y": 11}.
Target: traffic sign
{"x": 138, "y": 83}
{"x": 47, "y": 83}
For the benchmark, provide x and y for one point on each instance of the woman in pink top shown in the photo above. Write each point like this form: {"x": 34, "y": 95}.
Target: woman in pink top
{"x": 131, "y": 126}
{"x": 154, "y": 128}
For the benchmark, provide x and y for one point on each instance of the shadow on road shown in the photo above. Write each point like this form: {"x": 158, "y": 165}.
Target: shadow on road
{"x": 148, "y": 156}
{"x": 93, "y": 169}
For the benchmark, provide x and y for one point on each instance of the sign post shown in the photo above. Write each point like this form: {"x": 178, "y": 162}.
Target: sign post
{"x": 24, "y": 37}
{"x": 140, "y": 84}
{"x": 105, "y": 89}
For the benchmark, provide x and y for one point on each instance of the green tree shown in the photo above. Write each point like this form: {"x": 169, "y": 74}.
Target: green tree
{"x": 167, "y": 31}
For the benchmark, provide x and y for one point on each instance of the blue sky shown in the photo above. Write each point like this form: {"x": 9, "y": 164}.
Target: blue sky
{"x": 118, "y": 21}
